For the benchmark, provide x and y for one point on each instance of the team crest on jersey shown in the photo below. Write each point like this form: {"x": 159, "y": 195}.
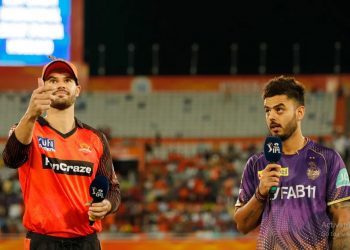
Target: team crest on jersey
{"x": 313, "y": 172}
{"x": 47, "y": 144}
{"x": 85, "y": 148}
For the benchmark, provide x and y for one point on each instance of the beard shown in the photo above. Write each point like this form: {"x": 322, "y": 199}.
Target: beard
{"x": 62, "y": 104}
{"x": 291, "y": 127}
{"x": 289, "y": 130}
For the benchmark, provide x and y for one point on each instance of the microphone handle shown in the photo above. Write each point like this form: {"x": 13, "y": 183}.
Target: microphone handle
{"x": 91, "y": 222}
{"x": 273, "y": 189}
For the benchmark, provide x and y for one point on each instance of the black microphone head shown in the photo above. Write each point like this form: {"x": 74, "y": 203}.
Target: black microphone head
{"x": 99, "y": 188}
{"x": 273, "y": 148}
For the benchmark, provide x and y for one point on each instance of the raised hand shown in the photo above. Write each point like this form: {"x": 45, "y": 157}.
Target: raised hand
{"x": 41, "y": 99}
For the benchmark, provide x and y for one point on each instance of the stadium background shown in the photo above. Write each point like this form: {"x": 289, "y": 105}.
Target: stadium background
{"x": 176, "y": 87}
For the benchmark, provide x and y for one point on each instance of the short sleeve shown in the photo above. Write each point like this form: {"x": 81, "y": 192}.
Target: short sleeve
{"x": 338, "y": 186}
{"x": 249, "y": 182}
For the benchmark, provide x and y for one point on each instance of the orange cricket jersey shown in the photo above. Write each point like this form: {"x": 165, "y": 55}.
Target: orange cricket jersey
{"x": 55, "y": 180}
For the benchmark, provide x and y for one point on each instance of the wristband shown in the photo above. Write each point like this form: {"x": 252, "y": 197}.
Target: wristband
{"x": 261, "y": 198}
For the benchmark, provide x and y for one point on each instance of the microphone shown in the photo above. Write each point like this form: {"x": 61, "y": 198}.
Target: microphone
{"x": 273, "y": 153}
{"x": 98, "y": 190}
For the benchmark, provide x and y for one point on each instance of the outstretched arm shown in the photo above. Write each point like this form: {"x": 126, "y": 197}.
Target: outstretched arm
{"x": 17, "y": 147}
{"x": 341, "y": 222}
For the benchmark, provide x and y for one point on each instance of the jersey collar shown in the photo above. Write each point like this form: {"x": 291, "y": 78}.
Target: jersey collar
{"x": 78, "y": 123}
{"x": 43, "y": 122}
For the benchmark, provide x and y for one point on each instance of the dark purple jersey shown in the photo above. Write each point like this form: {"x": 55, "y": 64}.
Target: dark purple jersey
{"x": 296, "y": 216}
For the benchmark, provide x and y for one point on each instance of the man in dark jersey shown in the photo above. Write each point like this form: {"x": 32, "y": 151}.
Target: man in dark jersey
{"x": 311, "y": 207}
{"x": 57, "y": 157}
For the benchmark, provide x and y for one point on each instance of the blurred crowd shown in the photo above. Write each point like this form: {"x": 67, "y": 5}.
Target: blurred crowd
{"x": 178, "y": 194}
{"x": 182, "y": 195}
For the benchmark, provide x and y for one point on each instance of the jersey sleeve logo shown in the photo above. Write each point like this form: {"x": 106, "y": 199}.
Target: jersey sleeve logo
{"x": 47, "y": 144}
{"x": 343, "y": 178}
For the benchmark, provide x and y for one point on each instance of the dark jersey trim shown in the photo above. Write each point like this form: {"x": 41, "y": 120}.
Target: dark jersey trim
{"x": 106, "y": 168}
{"x": 43, "y": 122}
{"x": 15, "y": 154}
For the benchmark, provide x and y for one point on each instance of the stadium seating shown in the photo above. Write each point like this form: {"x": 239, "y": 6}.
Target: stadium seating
{"x": 178, "y": 115}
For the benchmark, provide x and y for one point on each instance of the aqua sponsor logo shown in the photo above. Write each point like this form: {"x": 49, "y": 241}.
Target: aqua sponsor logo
{"x": 342, "y": 178}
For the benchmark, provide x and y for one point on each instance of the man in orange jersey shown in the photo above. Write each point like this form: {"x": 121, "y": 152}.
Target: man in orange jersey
{"x": 57, "y": 157}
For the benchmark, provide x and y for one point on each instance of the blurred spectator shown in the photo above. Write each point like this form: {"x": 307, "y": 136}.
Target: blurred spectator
{"x": 11, "y": 203}
{"x": 341, "y": 144}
